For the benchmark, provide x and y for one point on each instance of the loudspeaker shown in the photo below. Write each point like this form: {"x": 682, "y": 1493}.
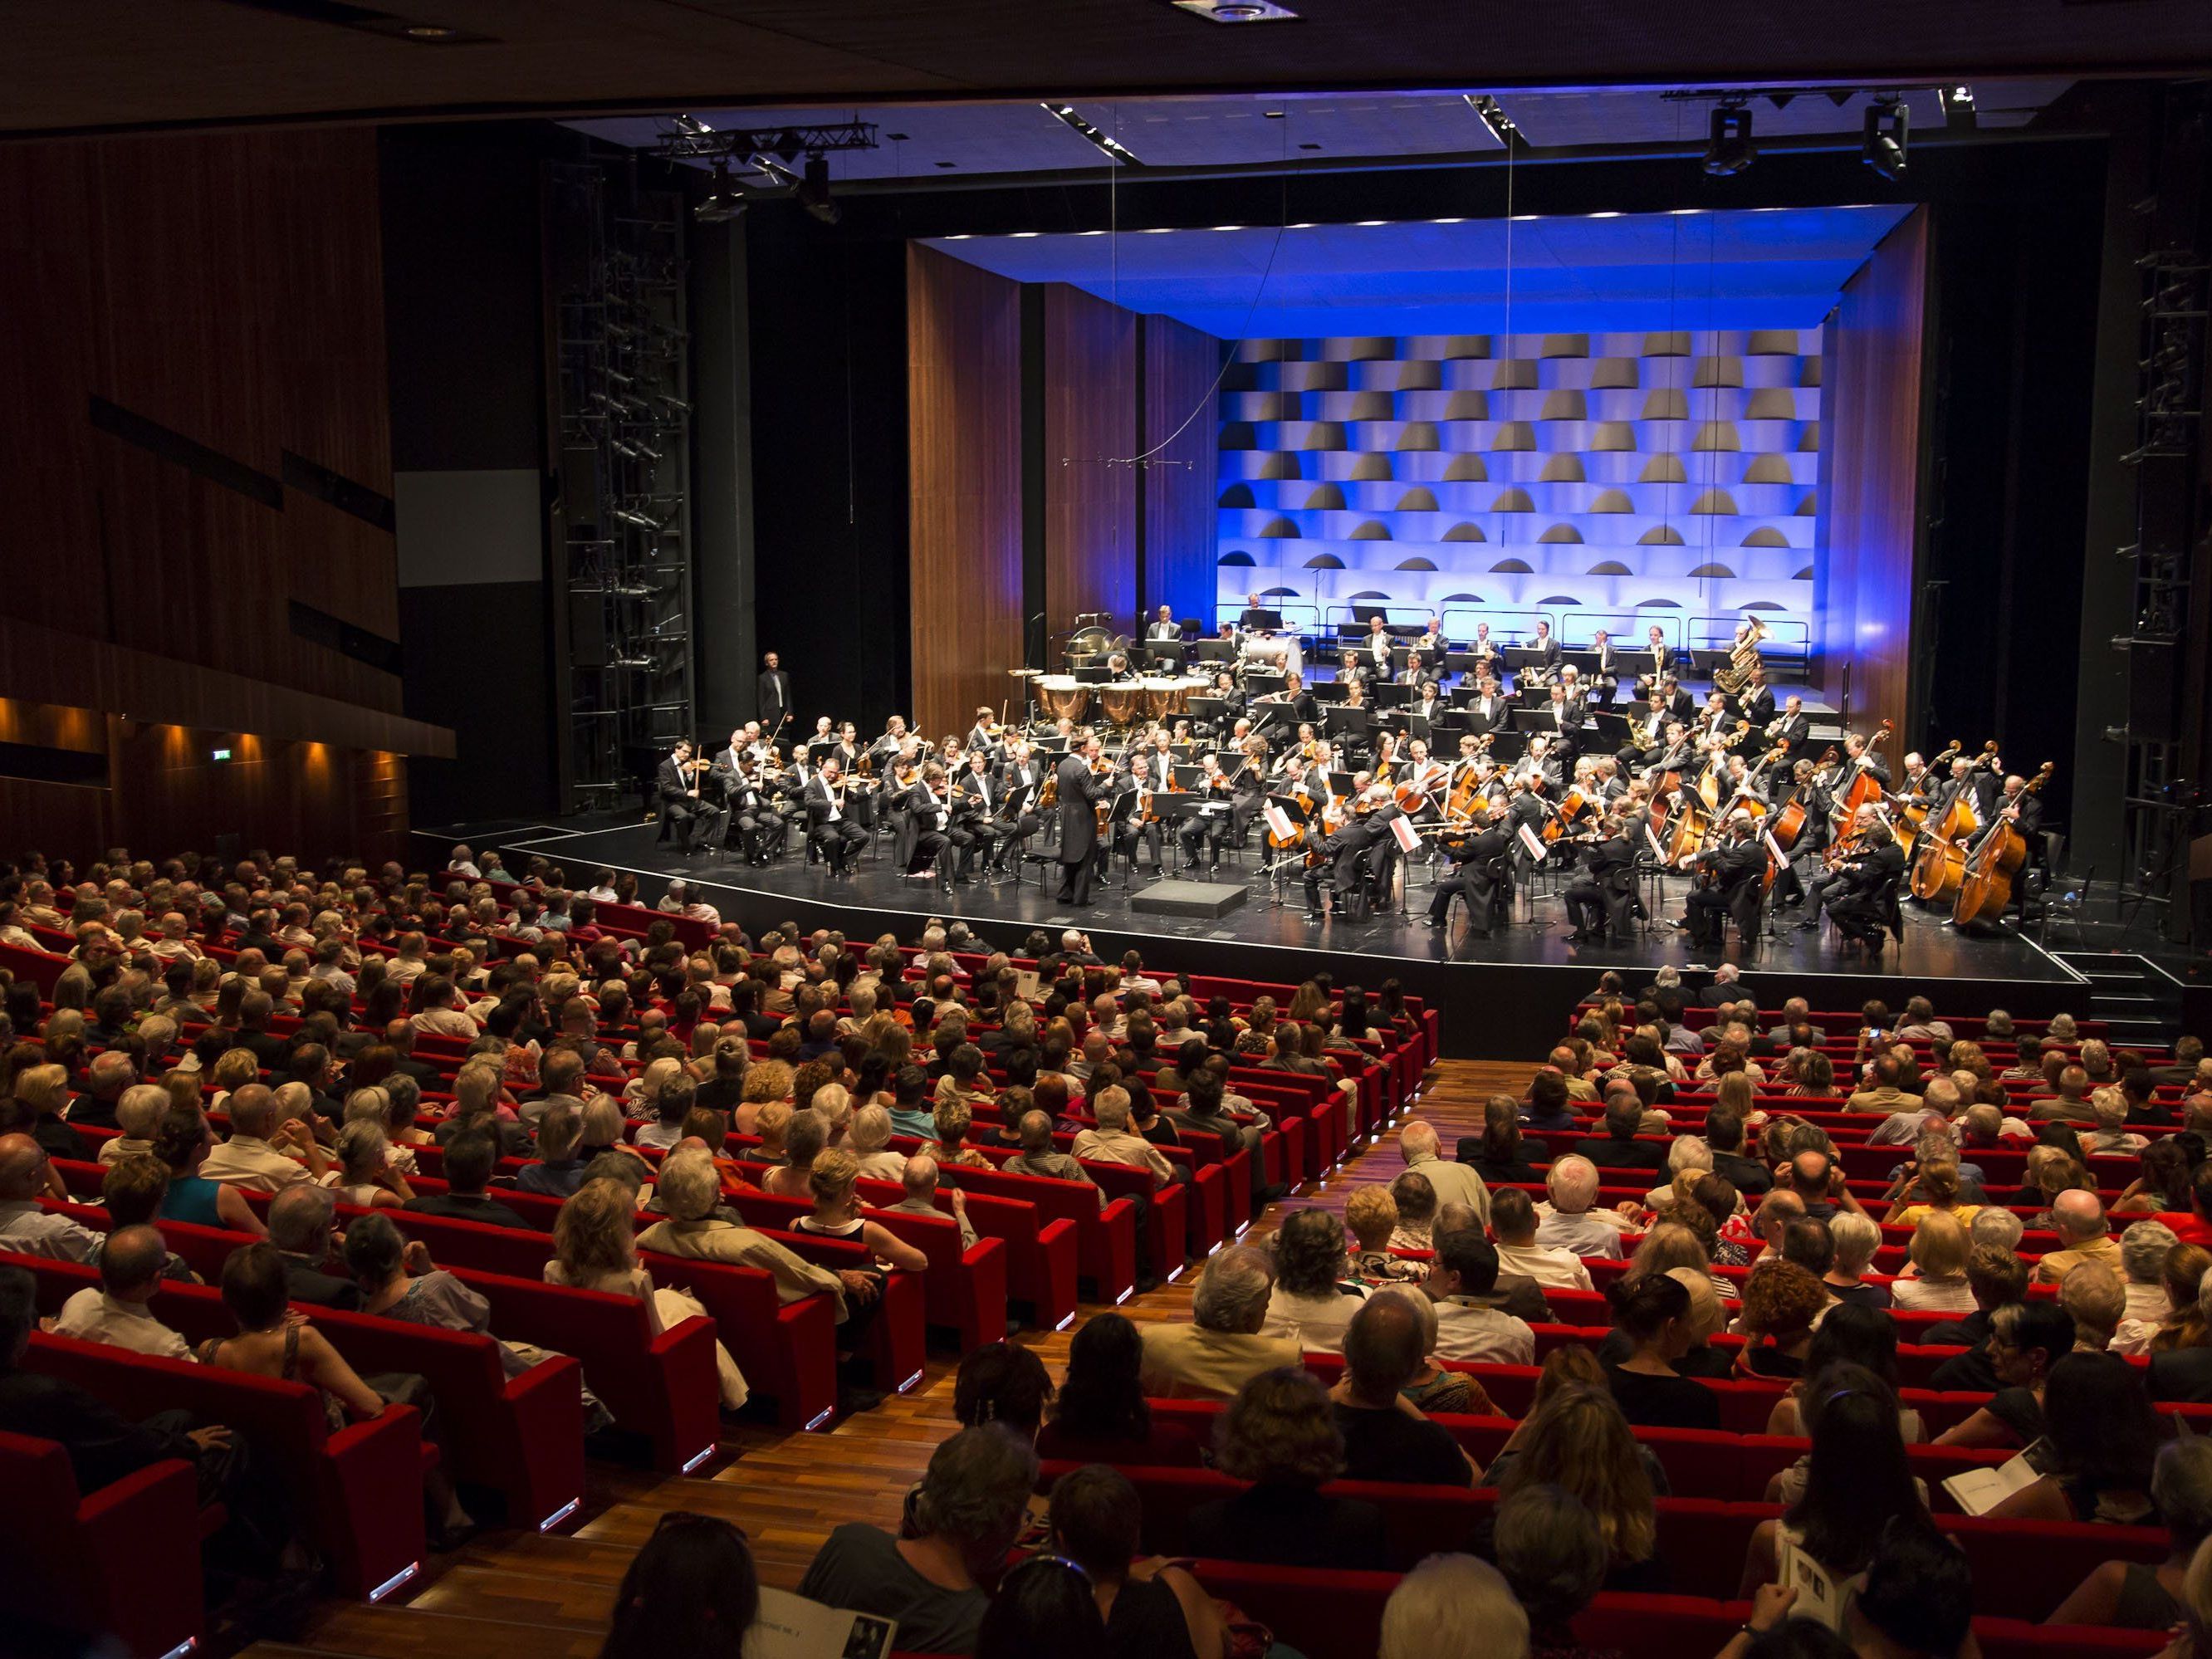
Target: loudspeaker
{"x": 2151, "y": 692}
{"x": 580, "y": 489}
{"x": 587, "y": 634}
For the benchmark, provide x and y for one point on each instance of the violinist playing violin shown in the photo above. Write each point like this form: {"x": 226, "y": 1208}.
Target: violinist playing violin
{"x": 1858, "y": 909}
{"x": 1479, "y": 861}
{"x": 831, "y": 823}
{"x": 1609, "y": 864}
{"x": 1831, "y": 886}
{"x": 1737, "y": 862}
{"x": 975, "y": 813}
{"x": 1215, "y": 819}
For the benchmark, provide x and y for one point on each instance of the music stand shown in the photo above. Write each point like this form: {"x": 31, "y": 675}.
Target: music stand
{"x": 1337, "y": 721}
{"x": 1214, "y": 650}
{"x": 1280, "y": 858}
{"x": 1391, "y": 695}
{"x": 1211, "y": 711}
{"x": 1089, "y": 675}
{"x": 1165, "y": 654}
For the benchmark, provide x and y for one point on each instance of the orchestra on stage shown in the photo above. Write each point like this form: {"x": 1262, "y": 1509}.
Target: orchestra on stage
{"x": 1497, "y": 773}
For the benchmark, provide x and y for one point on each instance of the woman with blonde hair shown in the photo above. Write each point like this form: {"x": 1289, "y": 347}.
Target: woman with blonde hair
{"x": 363, "y": 1174}
{"x": 233, "y": 1069}
{"x": 1579, "y": 1440}
{"x": 831, "y": 1182}
{"x": 1940, "y": 1248}
{"x": 595, "y": 1249}
{"x": 1930, "y": 1188}
{"x": 954, "y": 1119}
{"x": 2184, "y": 1277}
{"x": 871, "y": 1139}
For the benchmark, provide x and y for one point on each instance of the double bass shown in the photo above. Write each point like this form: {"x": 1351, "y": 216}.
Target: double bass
{"x": 1912, "y": 814}
{"x": 1995, "y": 863}
{"x": 1939, "y": 855}
{"x": 1864, "y": 788}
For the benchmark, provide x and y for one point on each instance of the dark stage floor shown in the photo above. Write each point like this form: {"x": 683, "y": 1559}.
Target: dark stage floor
{"x": 1490, "y": 987}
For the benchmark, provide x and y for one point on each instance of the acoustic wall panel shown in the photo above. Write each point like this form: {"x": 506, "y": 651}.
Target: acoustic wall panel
{"x": 1603, "y": 480}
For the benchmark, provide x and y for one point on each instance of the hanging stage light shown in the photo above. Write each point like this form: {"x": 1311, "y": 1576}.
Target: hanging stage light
{"x": 1881, "y": 145}
{"x": 1728, "y": 148}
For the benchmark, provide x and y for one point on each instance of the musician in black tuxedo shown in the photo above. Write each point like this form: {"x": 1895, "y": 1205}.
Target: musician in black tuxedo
{"x": 1739, "y": 859}
{"x": 1430, "y": 704}
{"x": 1163, "y": 628}
{"x": 758, "y": 826}
{"x": 1079, "y": 793}
{"x": 837, "y": 839}
{"x": 1544, "y": 658}
{"x": 1478, "y": 864}
{"x": 1755, "y": 702}
{"x": 1425, "y": 658}
{"x": 1205, "y": 829}
{"x": 1681, "y": 705}
{"x": 1490, "y": 711}
{"x": 1859, "y": 909}
{"x": 1609, "y": 864}
{"x": 1605, "y": 673}
{"x": 1293, "y": 696}
{"x": 774, "y": 691}
{"x": 1794, "y": 733}
{"x": 1014, "y": 803}
{"x": 928, "y": 804}
{"x": 974, "y": 828}
{"x": 698, "y": 824}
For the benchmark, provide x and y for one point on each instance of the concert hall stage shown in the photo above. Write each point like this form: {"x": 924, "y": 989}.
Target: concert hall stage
{"x": 1506, "y": 994}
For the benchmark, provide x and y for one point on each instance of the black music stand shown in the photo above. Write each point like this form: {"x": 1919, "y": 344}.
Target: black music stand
{"x": 1280, "y": 859}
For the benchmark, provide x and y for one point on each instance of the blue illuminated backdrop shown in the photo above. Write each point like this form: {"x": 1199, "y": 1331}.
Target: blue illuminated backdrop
{"x": 1608, "y": 419}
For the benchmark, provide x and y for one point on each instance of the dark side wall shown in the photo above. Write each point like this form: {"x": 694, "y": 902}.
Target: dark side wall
{"x": 828, "y": 400}
{"x": 462, "y": 266}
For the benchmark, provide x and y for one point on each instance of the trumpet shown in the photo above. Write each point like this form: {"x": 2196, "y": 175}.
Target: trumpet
{"x": 1774, "y": 725}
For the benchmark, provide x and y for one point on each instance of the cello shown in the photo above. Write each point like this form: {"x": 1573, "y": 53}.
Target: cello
{"x": 1939, "y": 857}
{"x": 1864, "y": 788}
{"x": 1789, "y": 823}
{"x": 1997, "y": 862}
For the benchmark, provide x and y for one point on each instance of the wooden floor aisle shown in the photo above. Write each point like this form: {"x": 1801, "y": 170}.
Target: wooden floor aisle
{"x": 511, "y": 1595}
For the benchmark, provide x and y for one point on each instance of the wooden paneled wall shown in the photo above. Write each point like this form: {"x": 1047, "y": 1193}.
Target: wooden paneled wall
{"x": 224, "y": 290}
{"x": 1875, "y": 377}
{"x": 1182, "y": 365}
{"x": 963, "y": 417}
{"x": 1090, "y": 437}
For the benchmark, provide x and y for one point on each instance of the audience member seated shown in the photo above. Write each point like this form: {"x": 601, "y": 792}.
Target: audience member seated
{"x": 2084, "y": 1233}
{"x": 1434, "y": 1387}
{"x": 27, "y": 1175}
{"x": 1453, "y": 1607}
{"x": 267, "y": 1152}
{"x": 871, "y": 1138}
{"x": 1153, "y": 1609}
{"x": 2144, "y": 1248}
{"x": 1513, "y": 1218}
{"x": 117, "y": 1311}
{"x": 2102, "y": 1437}
{"x": 1939, "y": 1255}
{"x": 1386, "y": 1438}
{"x": 1044, "y": 1602}
{"x": 1782, "y": 1303}
{"x": 1313, "y": 1300}
{"x": 470, "y": 1160}
{"x": 1549, "y": 1549}
{"x": 1856, "y": 1477}
{"x": 303, "y": 1227}
{"x": 1656, "y": 1313}
{"x": 182, "y": 1146}
{"x": 1571, "y": 1186}
{"x": 1619, "y": 1148}
{"x": 1576, "y": 1440}
{"x": 937, "y": 1584}
{"x": 595, "y": 1246}
{"x": 1100, "y": 1414}
{"x": 692, "y": 1590}
{"x": 1005, "y": 1384}
{"x": 1416, "y": 1203}
{"x": 558, "y": 1171}
{"x": 2026, "y": 1343}
{"x": 2135, "y": 1595}
{"x": 1453, "y": 1183}
{"x": 1279, "y": 1436}
{"x": 272, "y": 1341}
{"x": 1855, "y": 1239}
{"x": 378, "y": 1256}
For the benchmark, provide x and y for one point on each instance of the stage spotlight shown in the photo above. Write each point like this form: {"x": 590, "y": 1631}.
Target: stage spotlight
{"x": 1728, "y": 148}
{"x": 814, "y": 191}
{"x": 723, "y": 201}
{"x": 690, "y": 126}
{"x": 1881, "y": 145}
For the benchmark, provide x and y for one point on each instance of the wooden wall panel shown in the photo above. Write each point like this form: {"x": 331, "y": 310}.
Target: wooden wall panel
{"x": 1876, "y": 379}
{"x": 228, "y": 287}
{"x": 1181, "y": 367}
{"x": 964, "y": 417}
{"x": 1090, "y": 434}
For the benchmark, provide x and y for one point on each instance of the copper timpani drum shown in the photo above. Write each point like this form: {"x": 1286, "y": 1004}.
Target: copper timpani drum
{"x": 1163, "y": 695}
{"x": 1278, "y": 652}
{"x": 1122, "y": 701}
{"x": 1064, "y": 696}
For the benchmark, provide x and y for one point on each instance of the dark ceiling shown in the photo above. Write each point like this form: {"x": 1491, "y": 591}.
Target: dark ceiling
{"x": 123, "y": 64}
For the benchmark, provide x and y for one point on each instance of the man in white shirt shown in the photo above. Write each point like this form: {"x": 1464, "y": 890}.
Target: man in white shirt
{"x": 25, "y": 1229}
{"x": 677, "y": 901}
{"x": 1572, "y": 1185}
{"x": 115, "y": 1311}
{"x": 1455, "y": 1184}
{"x": 250, "y": 1159}
{"x": 1112, "y": 1143}
{"x": 1466, "y": 1268}
{"x": 1513, "y": 1218}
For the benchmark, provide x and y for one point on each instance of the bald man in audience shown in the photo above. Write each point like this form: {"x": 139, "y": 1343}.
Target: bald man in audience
{"x": 2084, "y": 1234}
{"x": 1455, "y": 1184}
{"x": 1571, "y": 1186}
{"x": 259, "y": 1154}
{"x": 117, "y": 1311}
{"x": 26, "y": 1176}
